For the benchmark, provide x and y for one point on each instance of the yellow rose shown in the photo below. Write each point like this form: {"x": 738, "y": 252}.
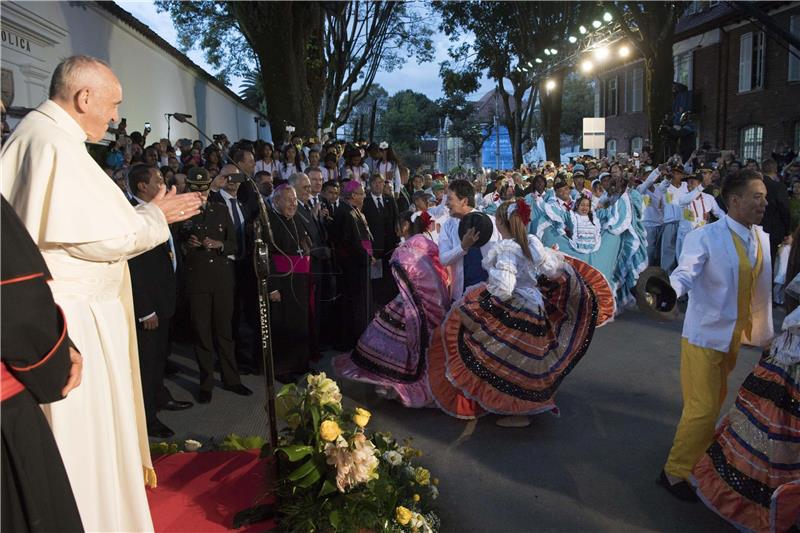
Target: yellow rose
{"x": 416, "y": 497}
{"x": 361, "y": 417}
{"x": 329, "y": 430}
{"x": 402, "y": 515}
{"x": 422, "y": 476}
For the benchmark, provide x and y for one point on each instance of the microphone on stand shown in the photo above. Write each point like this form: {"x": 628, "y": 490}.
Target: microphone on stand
{"x": 180, "y": 117}
{"x": 262, "y": 237}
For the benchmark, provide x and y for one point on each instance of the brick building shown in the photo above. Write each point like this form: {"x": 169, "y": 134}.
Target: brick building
{"x": 737, "y": 77}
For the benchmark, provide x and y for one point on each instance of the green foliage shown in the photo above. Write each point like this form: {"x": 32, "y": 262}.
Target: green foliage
{"x": 461, "y": 113}
{"x": 211, "y": 27}
{"x": 578, "y": 103}
{"x": 409, "y": 116}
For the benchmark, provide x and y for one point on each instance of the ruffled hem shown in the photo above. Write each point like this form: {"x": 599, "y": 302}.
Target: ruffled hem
{"x": 413, "y": 395}
{"x": 603, "y": 292}
{"x": 488, "y": 382}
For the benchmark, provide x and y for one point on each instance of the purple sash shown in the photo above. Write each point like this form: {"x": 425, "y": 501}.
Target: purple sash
{"x": 299, "y": 264}
{"x": 367, "y": 245}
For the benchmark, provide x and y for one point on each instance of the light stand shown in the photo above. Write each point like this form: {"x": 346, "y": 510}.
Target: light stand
{"x": 262, "y": 236}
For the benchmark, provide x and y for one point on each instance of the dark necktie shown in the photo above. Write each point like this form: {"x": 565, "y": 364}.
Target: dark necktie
{"x": 380, "y": 204}
{"x": 237, "y": 221}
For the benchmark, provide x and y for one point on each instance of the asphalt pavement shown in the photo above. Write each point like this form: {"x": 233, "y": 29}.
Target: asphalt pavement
{"x": 591, "y": 469}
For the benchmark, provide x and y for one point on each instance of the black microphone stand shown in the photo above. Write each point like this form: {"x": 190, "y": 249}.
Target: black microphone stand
{"x": 262, "y": 237}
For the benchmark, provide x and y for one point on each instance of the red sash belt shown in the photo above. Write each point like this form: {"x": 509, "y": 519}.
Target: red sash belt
{"x": 298, "y": 264}
{"x": 9, "y": 385}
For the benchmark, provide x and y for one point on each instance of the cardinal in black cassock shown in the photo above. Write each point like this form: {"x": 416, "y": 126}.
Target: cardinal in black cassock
{"x": 353, "y": 243}
{"x": 289, "y": 286}
{"x": 36, "y": 494}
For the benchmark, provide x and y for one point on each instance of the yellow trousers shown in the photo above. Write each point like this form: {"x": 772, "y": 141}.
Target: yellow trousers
{"x": 704, "y": 385}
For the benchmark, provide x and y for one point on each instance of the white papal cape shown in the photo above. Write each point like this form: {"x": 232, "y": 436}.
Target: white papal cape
{"x": 87, "y": 231}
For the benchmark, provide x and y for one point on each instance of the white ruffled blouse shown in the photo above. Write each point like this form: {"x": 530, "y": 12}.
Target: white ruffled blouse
{"x": 512, "y": 275}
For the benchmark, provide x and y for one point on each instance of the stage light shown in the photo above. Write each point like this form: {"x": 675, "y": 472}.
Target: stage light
{"x": 553, "y": 51}
{"x": 530, "y": 64}
{"x": 587, "y": 66}
{"x": 538, "y": 60}
{"x": 582, "y": 30}
{"x": 547, "y": 51}
{"x": 573, "y": 39}
{"x": 550, "y": 85}
{"x": 624, "y": 51}
{"x": 596, "y": 23}
{"x": 601, "y": 54}
{"x": 607, "y": 16}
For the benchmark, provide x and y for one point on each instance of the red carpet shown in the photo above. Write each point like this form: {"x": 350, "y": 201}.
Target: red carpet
{"x": 202, "y": 492}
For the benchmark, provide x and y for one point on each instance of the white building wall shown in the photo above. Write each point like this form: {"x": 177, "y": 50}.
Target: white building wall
{"x": 38, "y": 35}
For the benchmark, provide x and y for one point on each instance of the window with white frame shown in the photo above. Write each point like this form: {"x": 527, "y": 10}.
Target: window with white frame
{"x": 751, "y": 141}
{"x": 682, "y": 64}
{"x": 636, "y": 145}
{"x": 794, "y": 53}
{"x": 751, "y": 61}
{"x": 634, "y": 89}
{"x": 611, "y": 148}
{"x": 611, "y": 96}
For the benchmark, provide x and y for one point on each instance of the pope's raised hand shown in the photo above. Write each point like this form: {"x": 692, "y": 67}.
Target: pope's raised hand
{"x": 177, "y": 207}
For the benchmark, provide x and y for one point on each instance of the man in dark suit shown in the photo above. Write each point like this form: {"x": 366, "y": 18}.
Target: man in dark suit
{"x": 208, "y": 241}
{"x": 309, "y": 213}
{"x": 354, "y": 248}
{"x": 154, "y": 294}
{"x": 380, "y": 211}
{"x": 245, "y": 305}
{"x": 776, "y": 221}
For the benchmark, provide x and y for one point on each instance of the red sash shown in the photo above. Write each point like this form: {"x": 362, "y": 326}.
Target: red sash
{"x": 9, "y": 385}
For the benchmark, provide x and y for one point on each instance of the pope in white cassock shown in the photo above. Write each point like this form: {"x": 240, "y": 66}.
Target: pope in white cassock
{"x": 87, "y": 231}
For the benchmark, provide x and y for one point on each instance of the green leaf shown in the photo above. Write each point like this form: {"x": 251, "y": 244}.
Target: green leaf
{"x": 327, "y": 488}
{"x": 335, "y": 519}
{"x": 310, "y": 479}
{"x": 315, "y": 418}
{"x": 302, "y": 471}
{"x": 295, "y": 452}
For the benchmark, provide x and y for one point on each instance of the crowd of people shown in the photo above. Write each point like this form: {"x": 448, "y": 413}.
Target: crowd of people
{"x": 473, "y": 292}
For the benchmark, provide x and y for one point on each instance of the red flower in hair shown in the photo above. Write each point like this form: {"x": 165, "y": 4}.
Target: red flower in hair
{"x": 524, "y": 211}
{"x": 427, "y": 221}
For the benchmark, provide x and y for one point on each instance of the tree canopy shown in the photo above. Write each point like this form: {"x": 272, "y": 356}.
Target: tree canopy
{"x": 312, "y": 56}
{"x": 409, "y": 116}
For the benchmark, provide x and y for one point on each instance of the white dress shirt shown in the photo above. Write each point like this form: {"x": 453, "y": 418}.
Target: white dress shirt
{"x": 227, "y": 197}
{"x": 672, "y": 195}
{"x": 452, "y": 255}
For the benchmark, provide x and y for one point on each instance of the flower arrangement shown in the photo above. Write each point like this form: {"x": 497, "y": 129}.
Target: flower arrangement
{"x": 336, "y": 477}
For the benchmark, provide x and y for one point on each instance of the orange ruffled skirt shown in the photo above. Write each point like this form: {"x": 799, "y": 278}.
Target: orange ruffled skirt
{"x": 504, "y": 358}
{"x": 750, "y": 475}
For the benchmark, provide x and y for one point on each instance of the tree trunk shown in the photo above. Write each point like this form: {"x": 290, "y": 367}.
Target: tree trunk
{"x": 658, "y": 86}
{"x": 287, "y": 37}
{"x": 551, "y": 101}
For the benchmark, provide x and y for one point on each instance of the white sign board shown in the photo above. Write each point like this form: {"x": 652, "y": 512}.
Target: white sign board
{"x": 594, "y": 133}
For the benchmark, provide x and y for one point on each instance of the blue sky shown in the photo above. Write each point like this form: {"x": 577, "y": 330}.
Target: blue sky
{"x": 422, "y": 78}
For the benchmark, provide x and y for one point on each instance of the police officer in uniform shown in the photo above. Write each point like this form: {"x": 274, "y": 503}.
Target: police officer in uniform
{"x": 207, "y": 239}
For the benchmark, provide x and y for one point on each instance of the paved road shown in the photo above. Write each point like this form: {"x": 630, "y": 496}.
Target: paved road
{"x": 591, "y": 469}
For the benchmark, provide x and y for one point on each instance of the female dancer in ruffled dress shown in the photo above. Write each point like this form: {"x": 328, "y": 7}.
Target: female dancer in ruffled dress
{"x": 392, "y": 351}
{"x": 750, "y": 475}
{"x": 507, "y": 344}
